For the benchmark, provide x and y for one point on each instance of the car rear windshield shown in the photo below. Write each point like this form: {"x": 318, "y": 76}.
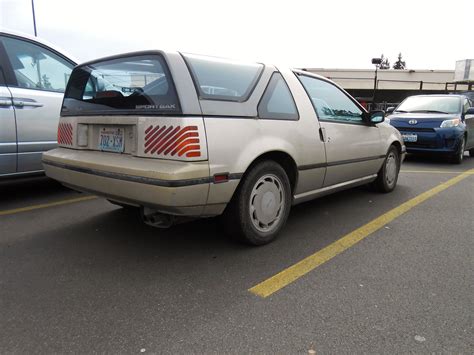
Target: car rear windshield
{"x": 430, "y": 104}
{"x": 222, "y": 79}
{"x": 138, "y": 84}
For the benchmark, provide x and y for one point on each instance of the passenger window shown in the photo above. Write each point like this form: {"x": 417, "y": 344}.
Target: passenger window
{"x": 36, "y": 67}
{"x": 222, "y": 79}
{"x": 277, "y": 101}
{"x": 466, "y": 105}
{"x": 330, "y": 102}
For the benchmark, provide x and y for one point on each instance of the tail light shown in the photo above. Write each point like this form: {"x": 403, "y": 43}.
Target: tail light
{"x": 176, "y": 142}
{"x": 65, "y": 134}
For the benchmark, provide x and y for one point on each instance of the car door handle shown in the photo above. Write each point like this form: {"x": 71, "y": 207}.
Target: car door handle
{"x": 26, "y": 103}
{"x": 5, "y": 101}
{"x": 322, "y": 134}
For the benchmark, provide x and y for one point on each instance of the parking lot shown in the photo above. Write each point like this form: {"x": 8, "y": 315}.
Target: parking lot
{"x": 78, "y": 274}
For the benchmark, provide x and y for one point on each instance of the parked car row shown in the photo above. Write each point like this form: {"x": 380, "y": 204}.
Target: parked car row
{"x": 184, "y": 136}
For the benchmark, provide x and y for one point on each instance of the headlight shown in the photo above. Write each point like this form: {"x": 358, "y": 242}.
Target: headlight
{"x": 450, "y": 123}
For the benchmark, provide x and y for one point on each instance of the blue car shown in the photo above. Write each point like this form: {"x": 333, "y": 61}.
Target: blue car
{"x": 441, "y": 124}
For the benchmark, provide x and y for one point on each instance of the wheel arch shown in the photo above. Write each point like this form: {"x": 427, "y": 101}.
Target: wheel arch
{"x": 284, "y": 159}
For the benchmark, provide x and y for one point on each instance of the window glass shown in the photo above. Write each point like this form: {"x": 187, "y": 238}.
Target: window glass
{"x": 277, "y": 101}
{"x": 431, "y": 104}
{"x": 135, "y": 84}
{"x": 330, "y": 102}
{"x": 221, "y": 79}
{"x": 36, "y": 67}
{"x": 467, "y": 105}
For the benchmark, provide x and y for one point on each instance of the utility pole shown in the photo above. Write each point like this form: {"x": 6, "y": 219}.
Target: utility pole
{"x": 34, "y": 17}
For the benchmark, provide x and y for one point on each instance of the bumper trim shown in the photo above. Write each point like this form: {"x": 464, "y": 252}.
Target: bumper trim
{"x": 132, "y": 178}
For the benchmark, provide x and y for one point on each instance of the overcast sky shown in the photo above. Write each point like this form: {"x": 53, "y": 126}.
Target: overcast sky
{"x": 318, "y": 34}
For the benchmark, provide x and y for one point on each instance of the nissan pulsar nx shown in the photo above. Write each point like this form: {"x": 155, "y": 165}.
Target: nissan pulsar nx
{"x": 184, "y": 136}
{"x": 437, "y": 124}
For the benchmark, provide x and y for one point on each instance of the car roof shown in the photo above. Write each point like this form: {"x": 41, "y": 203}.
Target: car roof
{"x": 28, "y": 37}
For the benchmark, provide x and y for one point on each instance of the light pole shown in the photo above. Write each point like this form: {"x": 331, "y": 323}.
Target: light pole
{"x": 34, "y": 17}
{"x": 376, "y": 62}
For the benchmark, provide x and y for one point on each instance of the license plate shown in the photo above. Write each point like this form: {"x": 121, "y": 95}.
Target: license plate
{"x": 410, "y": 137}
{"x": 111, "y": 139}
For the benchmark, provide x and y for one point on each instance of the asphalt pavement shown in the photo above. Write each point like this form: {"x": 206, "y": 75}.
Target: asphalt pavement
{"x": 80, "y": 275}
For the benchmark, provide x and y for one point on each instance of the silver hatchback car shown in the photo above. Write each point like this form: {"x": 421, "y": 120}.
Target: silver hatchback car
{"x": 33, "y": 77}
{"x": 184, "y": 136}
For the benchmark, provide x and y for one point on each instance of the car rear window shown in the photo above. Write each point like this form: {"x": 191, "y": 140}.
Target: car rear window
{"x": 222, "y": 79}
{"x": 139, "y": 84}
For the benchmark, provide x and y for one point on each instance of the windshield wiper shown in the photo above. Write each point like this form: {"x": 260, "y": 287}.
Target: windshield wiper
{"x": 428, "y": 111}
{"x": 402, "y": 111}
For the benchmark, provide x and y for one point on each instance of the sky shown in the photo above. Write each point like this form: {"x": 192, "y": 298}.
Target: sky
{"x": 304, "y": 34}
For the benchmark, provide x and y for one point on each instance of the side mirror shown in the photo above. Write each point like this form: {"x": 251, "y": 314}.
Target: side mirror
{"x": 389, "y": 110}
{"x": 469, "y": 113}
{"x": 377, "y": 116}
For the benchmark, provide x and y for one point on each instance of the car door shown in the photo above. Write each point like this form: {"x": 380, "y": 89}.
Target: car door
{"x": 37, "y": 86}
{"x": 353, "y": 147}
{"x": 7, "y": 129}
{"x": 469, "y": 121}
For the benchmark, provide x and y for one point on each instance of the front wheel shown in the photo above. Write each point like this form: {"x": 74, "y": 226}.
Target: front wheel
{"x": 388, "y": 174}
{"x": 260, "y": 206}
{"x": 459, "y": 156}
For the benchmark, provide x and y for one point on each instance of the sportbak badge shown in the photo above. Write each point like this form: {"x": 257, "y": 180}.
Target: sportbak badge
{"x": 413, "y": 122}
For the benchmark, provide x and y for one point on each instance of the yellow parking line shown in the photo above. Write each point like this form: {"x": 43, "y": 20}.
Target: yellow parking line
{"x": 437, "y": 171}
{"x": 45, "y": 205}
{"x": 294, "y": 272}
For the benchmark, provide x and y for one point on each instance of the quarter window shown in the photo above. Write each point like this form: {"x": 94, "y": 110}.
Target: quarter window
{"x": 277, "y": 101}
{"x": 36, "y": 67}
{"x": 330, "y": 102}
{"x": 221, "y": 79}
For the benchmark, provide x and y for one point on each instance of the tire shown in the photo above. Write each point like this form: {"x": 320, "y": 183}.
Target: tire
{"x": 388, "y": 174}
{"x": 471, "y": 153}
{"x": 246, "y": 218}
{"x": 459, "y": 156}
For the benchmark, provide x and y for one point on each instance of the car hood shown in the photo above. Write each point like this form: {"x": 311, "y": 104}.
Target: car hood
{"x": 423, "y": 120}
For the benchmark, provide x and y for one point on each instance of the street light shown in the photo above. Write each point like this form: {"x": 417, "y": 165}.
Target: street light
{"x": 376, "y": 62}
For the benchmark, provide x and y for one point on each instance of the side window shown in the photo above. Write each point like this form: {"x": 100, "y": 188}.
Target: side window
{"x": 221, "y": 79}
{"x": 467, "y": 105}
{"x": 36, "y": 67}
{"x": 330, "y": 102}
{"x": 277, "y": 101}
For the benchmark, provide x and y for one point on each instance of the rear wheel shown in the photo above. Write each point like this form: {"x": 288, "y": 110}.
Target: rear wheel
{"x": 260, "y": 207}
{"x": 471, "y": 152}
{"x": 388, "y": 175}
{"x": 459, "y": 156}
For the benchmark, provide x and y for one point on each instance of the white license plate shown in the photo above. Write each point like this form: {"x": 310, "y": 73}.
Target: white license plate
{"x": 111, "y": 139}
{"x": 410, "y": 137}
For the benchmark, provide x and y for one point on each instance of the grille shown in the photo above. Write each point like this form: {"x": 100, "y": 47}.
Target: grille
{"x": 415, "y": 129}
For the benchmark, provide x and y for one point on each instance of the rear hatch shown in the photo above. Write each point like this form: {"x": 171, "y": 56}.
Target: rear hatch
{"x": 129, "y": 105}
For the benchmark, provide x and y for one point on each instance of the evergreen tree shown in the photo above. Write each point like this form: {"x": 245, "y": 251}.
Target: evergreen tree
{"x": 385, "y": 64}
{"x": 399, "y": 64}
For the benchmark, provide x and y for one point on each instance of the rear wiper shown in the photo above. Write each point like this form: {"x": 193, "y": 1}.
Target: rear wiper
{"x": 428, "y": 111}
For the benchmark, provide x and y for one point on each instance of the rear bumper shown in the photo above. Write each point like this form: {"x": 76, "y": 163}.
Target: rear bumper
{"x": 171, "y": 187}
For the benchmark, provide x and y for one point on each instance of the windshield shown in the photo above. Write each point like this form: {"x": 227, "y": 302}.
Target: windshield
{"x": 127, "y": 85}
{"x": 430, "y": 104}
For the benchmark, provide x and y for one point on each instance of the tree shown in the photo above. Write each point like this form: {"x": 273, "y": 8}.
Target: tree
{"x": 385, "y": 64}
{"x": 400, "y": 64}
